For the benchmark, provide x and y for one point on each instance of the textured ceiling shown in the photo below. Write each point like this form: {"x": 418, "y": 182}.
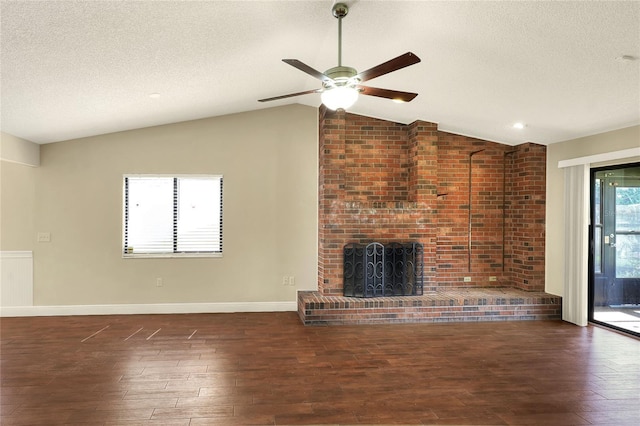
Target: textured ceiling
{"x": 71, "y": 69}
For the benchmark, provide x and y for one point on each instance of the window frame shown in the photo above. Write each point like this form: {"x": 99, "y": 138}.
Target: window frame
{"x": 174, "y": 254}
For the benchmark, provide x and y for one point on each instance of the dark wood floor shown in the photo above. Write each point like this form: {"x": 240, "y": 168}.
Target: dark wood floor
{"x": 267, "y": 368}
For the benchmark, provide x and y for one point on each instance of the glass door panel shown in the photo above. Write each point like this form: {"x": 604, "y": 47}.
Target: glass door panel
{"x": 615, "y": 248}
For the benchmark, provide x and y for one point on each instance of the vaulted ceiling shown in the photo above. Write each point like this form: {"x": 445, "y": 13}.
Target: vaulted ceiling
{"x": 71, "y": 69}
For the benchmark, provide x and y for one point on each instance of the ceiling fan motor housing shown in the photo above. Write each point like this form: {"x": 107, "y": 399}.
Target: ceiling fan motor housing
{"x": 342, "y": 76}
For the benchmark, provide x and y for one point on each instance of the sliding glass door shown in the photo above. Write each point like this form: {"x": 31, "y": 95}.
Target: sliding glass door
{"x": 614, "y": 296}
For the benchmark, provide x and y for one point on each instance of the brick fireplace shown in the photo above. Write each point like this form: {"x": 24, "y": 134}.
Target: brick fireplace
{"x": 477, "y": 207}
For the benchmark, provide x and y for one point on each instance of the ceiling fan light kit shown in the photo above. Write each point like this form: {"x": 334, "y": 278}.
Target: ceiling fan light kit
{"x": 339, "y": 97}
{"x": 341, "y": 85}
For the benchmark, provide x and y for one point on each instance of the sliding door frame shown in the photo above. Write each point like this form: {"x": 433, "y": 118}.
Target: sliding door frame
{"x": 593, "y": 297}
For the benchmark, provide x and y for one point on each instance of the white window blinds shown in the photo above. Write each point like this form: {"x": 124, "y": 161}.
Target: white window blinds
{"x": 179, "y": 215}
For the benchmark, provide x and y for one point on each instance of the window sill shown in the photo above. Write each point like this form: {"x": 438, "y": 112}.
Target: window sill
{"x": 168, "y": 255}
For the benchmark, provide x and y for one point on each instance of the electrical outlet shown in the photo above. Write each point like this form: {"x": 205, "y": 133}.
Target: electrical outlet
{"x": 44, "y": 237}
{"x": 467, "y": 279}
{"x": 292, "y": 281}
{"x": 159, "y": 282}
{"x": 493, "y": 278}
{"x": 285, "y": 281}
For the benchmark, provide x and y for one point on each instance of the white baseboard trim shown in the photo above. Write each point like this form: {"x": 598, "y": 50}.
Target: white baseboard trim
{"x": 159, "y": 308}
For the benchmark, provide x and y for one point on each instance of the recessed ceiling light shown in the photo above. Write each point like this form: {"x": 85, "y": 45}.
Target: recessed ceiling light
{"x": 519, "y": 125}
{"x": 154, "y": 95}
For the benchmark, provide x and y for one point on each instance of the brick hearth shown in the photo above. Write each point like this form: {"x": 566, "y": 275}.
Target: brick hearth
{"x": 451, "y": 305}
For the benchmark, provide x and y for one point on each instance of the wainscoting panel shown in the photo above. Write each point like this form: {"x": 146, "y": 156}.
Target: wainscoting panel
{"x": 16, "y": 278}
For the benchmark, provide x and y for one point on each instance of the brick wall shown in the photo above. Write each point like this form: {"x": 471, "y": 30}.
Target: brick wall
{"x": 384, "y": 181}
{"x": 376, "y": 160}
{"x": 466, "y": 164}
{"x": 527, "y": 217}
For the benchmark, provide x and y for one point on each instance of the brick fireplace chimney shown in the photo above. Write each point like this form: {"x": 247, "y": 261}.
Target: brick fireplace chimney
{"x": 383, "y": 181}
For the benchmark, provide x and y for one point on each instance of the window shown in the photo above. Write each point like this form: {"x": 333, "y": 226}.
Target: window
{"x": 167, "y": 216}
{"x": 626, "y": 231}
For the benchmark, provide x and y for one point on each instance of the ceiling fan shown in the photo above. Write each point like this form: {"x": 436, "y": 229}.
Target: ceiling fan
{"x": 341, "y": 85}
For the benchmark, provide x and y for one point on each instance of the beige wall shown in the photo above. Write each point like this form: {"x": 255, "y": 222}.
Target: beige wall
{"x": 17, "y": 206}
{"x": 17, "y": 150}
{"x": 269, "y": 162}
{"x": 18, "y": 159}
{"x": 592, "y": 145}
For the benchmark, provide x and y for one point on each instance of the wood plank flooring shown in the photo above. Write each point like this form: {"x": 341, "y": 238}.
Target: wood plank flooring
{"x": 267, "y": 368}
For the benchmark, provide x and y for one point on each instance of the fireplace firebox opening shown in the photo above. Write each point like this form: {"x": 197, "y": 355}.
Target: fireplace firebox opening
{"x": 382, "y": 270}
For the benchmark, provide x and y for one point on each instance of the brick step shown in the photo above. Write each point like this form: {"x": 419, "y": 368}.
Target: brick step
{"x": 451, "y": 305}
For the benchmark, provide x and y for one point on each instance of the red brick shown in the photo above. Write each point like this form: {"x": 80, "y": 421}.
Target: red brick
{"x": 384, "y": 181}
